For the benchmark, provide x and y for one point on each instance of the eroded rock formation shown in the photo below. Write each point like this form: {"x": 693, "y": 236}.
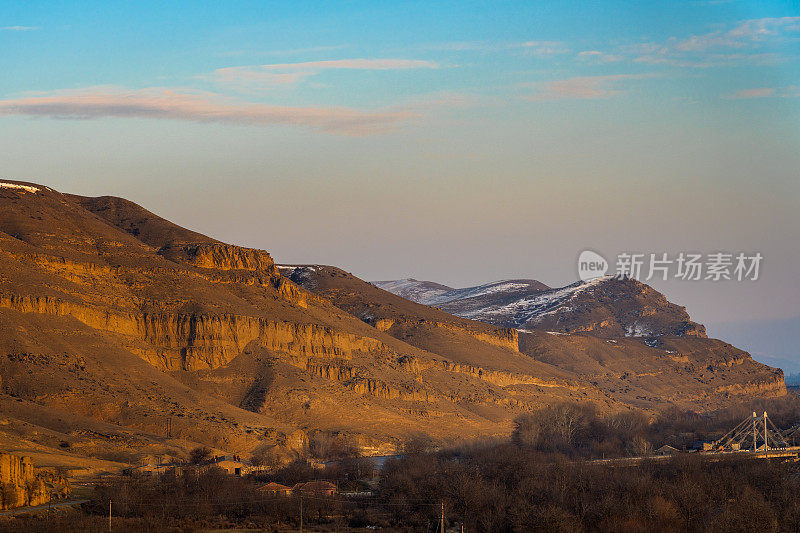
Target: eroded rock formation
{"x": 21, "y": 484}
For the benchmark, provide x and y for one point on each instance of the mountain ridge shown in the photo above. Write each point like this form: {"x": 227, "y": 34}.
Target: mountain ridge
{"x": 113, "y": 314}
{"x": 618, "y": 307}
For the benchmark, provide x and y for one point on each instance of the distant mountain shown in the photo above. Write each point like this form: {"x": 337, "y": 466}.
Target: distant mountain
{"x": 411, "y": 289}
{"x": 619, "y": 336}
{"x": 793, "y": 379}
{"x": 606, "y": 306}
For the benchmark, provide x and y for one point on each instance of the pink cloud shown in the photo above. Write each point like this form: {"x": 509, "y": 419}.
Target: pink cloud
{"x": 761, "y": 92}
{"x": 199, "y": 107}
{"x": 261, "y": 76}
{"x": 766, "y": 92}
{"x": 584, "y": 88}
{"x": 244, "y": 78}
{"x": 357, "y": 64}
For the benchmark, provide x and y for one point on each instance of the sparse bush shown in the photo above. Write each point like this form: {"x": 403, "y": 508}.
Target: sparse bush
{"x": 199, "y": 455}
{"x": 332, "y": 447}
{"x": 8, "y": 495}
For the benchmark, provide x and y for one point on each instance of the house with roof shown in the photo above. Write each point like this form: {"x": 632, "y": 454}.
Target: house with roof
{"x": 667, "y": 450}
{"x": 275, "y": 489}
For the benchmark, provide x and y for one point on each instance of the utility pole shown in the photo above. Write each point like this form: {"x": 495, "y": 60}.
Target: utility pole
{"x": 442, "y": 526}
{"x": 755, "y": 432}
{"x": 109, "y": 516}
{"x": 301, "y": 511}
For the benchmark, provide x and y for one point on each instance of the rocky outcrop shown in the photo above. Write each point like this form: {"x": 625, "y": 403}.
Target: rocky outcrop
{"x": 221, "y": 256}
{"x": 502, "y": 337}
{"x": 773, "y": 386}
{"x": 382, "y": 324}
{"x": 194, "y": 341}
{"x": 381, "y": 389}
{"x": 503, "y": 378}
{"x": 500, "y": 378}
{"x": 21, "y": 484}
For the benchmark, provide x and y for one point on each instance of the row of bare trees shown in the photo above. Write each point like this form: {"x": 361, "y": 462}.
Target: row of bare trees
{"x": 505, "y": 488}
{"x": 578, "y": 429}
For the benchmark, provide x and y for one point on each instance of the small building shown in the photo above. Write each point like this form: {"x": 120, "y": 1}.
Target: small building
{"x": 316, "y": 488}
{"x": 275, "y": 489}
{"x": 230, "y": 464}
{"x": 667, "y": 450}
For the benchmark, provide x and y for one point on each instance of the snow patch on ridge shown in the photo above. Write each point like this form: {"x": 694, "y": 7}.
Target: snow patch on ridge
{"x": 638, "y": 330}
{"x": 539, "y": 305}
{"x": 292, "y": 268}
{"x": 411, "y": 289}
{"x": 480, "y": 290}
{"x": 26, "y": 188}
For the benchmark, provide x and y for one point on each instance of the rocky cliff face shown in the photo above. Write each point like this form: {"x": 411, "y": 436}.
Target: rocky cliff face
{"x": 220, "y": 256}
{"x": 194, "y": 342}
{"x": 501, "y": 337}
{"x": 21, "y": 484}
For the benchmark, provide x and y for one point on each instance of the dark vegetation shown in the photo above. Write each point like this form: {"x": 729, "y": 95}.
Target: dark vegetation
{"x": 504, "y": 488}
{"x": 198, "y": 455}
{"x": 579, "y": 431}
{"x": 545, "y": 478}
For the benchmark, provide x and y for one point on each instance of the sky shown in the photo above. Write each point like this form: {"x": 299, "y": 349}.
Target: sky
{"x": 460, "y": 142}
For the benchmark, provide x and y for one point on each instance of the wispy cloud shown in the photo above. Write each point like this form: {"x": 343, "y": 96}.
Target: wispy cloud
{"x": 20, "y": 28}
{"x": 542, "y": 48}
{"x": 199, "y": 107}
{"x": 744, "y": 34}
{"x": 356, "y": 64}
{"x": 761, "y": 92}
{"x": 285, "y": 52}
{"x": 766, "y": 92}
{"x": 740, "y": 44}
{"x": 710, "y": 60}
{"x": 598, "y": 56}
{"x": 583, "y": 88}
{"x": 538, "y": 48}
{"x": 276, "y": 74}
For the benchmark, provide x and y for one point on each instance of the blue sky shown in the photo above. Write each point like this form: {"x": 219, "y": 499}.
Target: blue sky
{"x": 455, "y": 141}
